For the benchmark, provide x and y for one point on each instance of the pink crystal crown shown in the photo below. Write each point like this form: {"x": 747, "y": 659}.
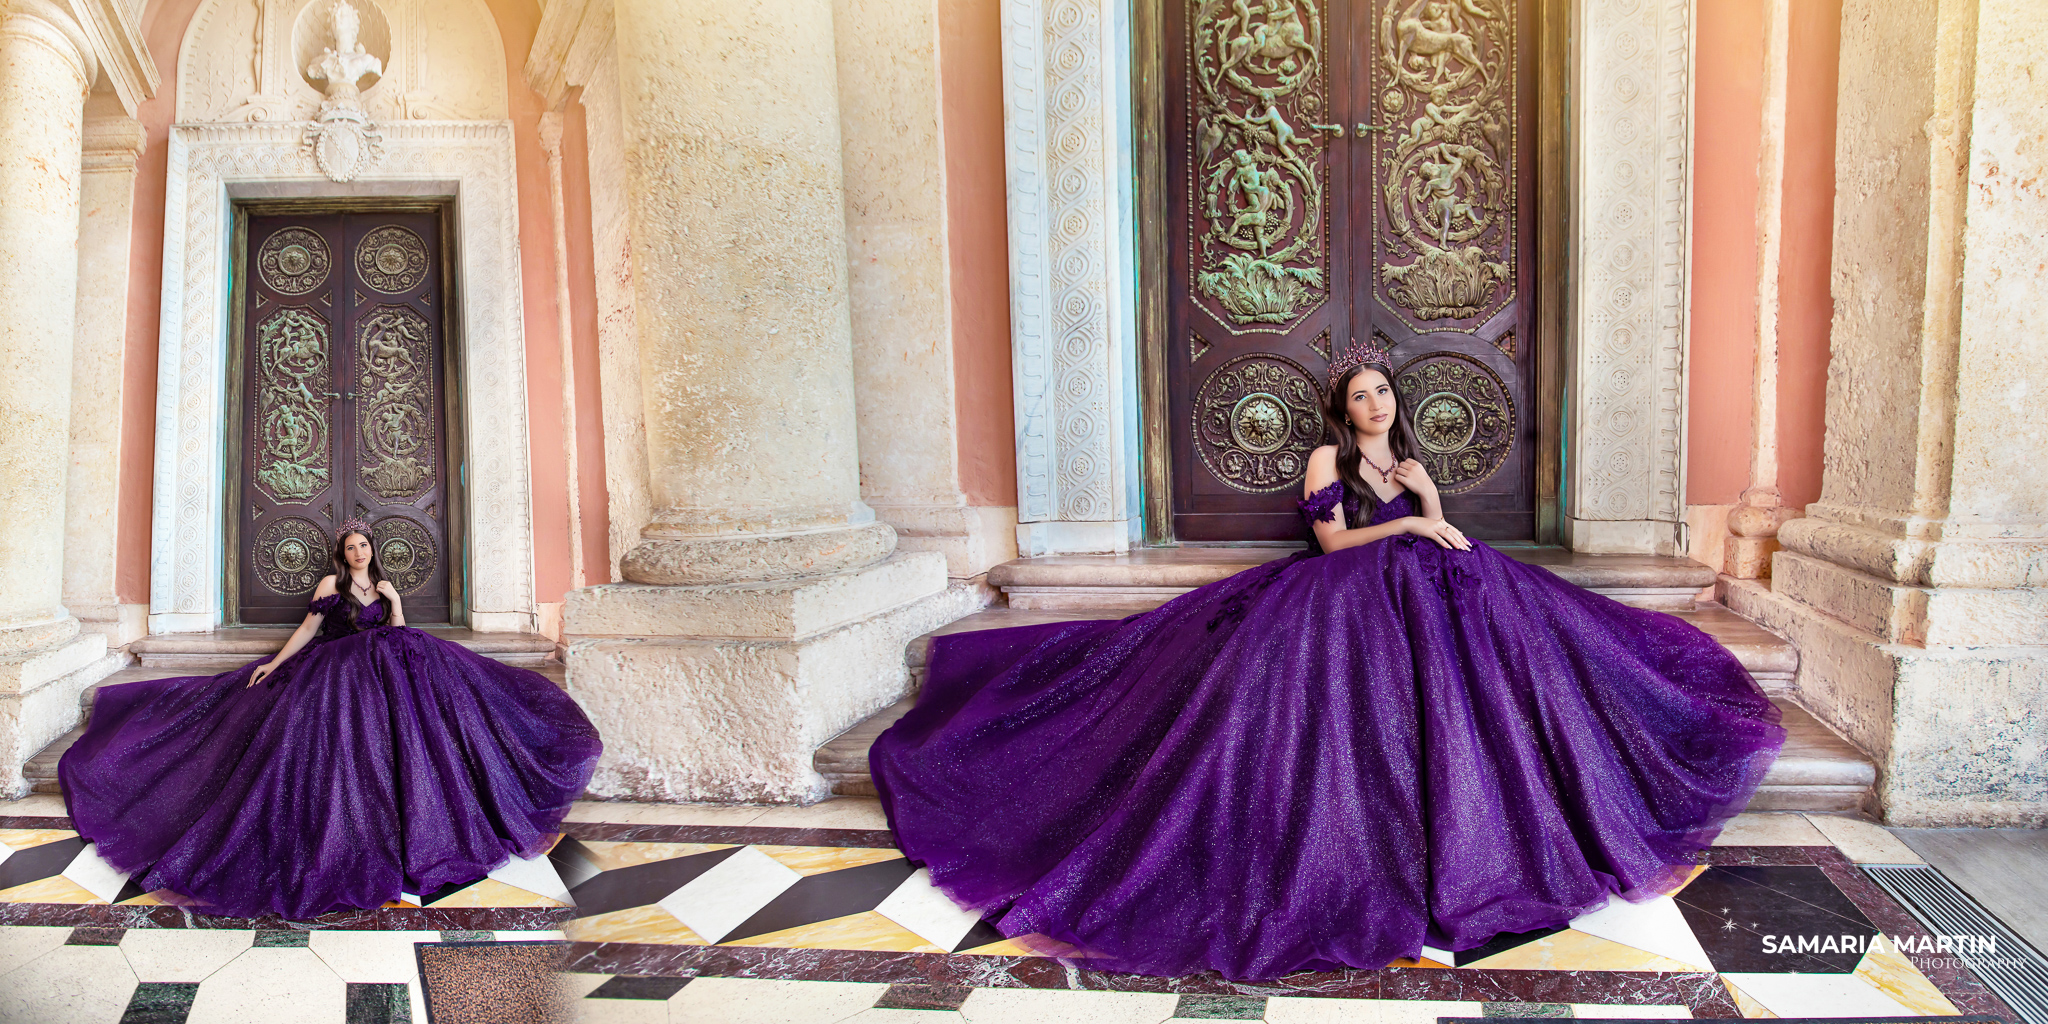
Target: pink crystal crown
{"x": 1357, "y": 355}
{"x": 352, "y": 525}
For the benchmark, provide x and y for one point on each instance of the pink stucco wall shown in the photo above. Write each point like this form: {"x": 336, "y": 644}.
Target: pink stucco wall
{"x": 1805, "y": 305}
{"x": 971, "y": 90}
{"x": 1728, "y": 112}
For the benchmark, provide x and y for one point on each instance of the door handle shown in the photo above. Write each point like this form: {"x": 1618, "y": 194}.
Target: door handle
{"x": 351, "y": 396}
{"x": 1334, "y": 129}
{"x": 1361, "y": 127}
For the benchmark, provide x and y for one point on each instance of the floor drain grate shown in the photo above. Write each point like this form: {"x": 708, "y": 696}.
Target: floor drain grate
{"x": 2013, "y": 969}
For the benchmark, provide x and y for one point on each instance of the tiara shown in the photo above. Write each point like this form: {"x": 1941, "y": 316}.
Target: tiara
{"x": 1358, "y": 355}
{"x": 352, "y": 525}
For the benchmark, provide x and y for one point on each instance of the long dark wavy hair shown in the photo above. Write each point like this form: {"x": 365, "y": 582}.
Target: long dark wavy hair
{"x": 1349, "y": 459}
{"x": 344, "y": 578}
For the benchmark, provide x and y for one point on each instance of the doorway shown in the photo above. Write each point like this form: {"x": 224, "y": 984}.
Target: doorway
{"x": 1338, "y": 172}
{"x": 339, "y": 405}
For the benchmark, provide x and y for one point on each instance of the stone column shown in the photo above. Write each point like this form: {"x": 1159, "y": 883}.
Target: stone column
{"x": 766, "y": 612}
{"x": 1917, "y": 588}
{"x": 113, "y": 141}
{"x": 897, "y": 238}
{"x": 46, "y": 65}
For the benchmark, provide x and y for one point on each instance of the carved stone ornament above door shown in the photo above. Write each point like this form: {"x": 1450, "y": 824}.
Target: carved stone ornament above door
{"x": 254, "y": 60}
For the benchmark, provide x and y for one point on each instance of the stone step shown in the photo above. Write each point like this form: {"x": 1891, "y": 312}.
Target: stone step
{"x": 1141, "y": 580}
{"x": 1817, "y": 770}
{"x": 41, "y": 770}
{"x": 235, "y": 647}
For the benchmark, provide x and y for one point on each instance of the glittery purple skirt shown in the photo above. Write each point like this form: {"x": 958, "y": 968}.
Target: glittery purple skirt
{"x": 380, "y": 762}
{"x": 1326, "y": 761}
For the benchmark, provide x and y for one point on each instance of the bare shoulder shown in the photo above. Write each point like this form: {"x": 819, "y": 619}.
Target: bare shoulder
{"x": 326, "y": 587}
{"x": 1322, "y": 470}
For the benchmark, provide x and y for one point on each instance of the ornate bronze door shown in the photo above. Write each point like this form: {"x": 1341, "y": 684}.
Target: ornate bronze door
{"x": 342, "y": 407}
{"x": 1339, "y": 170}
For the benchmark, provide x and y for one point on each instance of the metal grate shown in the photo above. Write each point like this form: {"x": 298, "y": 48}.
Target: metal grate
{"x": 2016, "y": 971}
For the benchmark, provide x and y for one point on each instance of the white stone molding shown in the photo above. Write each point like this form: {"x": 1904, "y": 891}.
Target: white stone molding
{"x": 210, "y": 165}
{"x": 1631, "y": 210}
{"x": 1068, "y": 150}
{"x": 112, "y": 142}
{"x": 116, "y": 39}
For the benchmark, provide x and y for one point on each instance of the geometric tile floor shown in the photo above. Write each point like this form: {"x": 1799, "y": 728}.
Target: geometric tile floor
{"x": 735, "y": 914}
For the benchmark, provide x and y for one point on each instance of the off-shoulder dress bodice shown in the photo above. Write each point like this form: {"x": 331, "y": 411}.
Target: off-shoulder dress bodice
{"x": 1322, "y": 506}
{"x": 337, "y": 622}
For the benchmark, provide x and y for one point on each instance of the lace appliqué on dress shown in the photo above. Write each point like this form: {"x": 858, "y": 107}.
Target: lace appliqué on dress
{"x": 1321, "y": 507}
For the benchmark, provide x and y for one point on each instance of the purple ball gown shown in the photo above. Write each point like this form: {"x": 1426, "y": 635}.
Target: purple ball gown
{"x": 1325, "y": 761}
{"x": 378, "y": 760}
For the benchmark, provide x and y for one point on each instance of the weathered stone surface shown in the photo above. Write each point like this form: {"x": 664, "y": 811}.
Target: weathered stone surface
{"x": 32, "y": 716}
{"x": 786, "y": 610}
{"x": 738, "y": 720}
{"x": 710, "y": 560}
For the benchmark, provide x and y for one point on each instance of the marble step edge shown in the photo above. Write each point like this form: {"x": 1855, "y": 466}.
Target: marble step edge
{"x": 1770, "y": 659}
{"x": 251, "y": 641}
{"x": 41, "y": 770}
{"x": 1186, "y": 568}
{"x": 212, "y": 663}
{"x": 1816, "y": 771}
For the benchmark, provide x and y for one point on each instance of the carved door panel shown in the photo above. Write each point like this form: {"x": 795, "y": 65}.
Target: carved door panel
{"x": 1445, "y": 281}
{"x": 1337, "y": 168}
{"x": 342, "y": 410}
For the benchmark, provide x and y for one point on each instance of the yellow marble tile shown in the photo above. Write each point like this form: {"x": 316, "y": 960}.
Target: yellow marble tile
{"x": 1421, "y": 961}
{"x": 1748, "y": 1007}
{"x": 54, "y": 889}
{"x": 160, "y": 898}
{"x": 867, "y": 930}
{"x": 1895, "y": 976}
{"x": 1571, "y": 950}
{"x": 492, "y": 893}
{"x": 23, "y": 838}
{"x": 813, "y": 860}
{"x": 612, "y": 856}
{"x": 1031, "y": 944}
{"x": 636, "y": 924}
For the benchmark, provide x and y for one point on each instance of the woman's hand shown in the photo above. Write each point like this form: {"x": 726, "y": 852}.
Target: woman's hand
{"x": 1437, "y": 530}
{"x": 262, "y": 671}
{"x": 385, "y": 588}
{"x": 1411, "y": 475}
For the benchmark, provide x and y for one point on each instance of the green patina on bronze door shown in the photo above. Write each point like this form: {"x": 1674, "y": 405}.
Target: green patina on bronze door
{"x": 342, "y": 407}
{"x": 1340, "y": 171}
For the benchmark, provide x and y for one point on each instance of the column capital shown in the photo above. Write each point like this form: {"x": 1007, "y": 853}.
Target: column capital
{"x": 51, "y": 23}
{"x": 96, "y": 36}
{"x": 112, "y": 141}
{"x": 573, "y": 35}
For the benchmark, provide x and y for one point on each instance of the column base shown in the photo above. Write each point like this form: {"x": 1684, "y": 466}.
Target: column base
{"x": 723, "y": 693}
{"x": 974, "y": 538}
{"x": 1622, "y": 536}
{"x": 119, "y": 623}
{"x": 1956, "y": 732}
{"x": 664, "y": 560}
{"x": 39, "y": 692}
{"x": 1078, "y": 538}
